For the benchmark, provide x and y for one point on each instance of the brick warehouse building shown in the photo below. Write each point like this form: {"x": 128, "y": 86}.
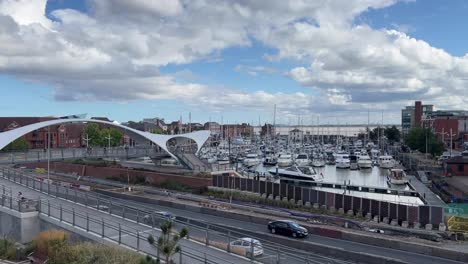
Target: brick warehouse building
{"x": 62, "y": 136}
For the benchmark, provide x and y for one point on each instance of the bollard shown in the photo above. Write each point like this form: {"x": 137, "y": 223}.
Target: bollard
{"x": 73, "y": 214}
{"x": 60, "y": 212}
{"x": 87, "y": 222}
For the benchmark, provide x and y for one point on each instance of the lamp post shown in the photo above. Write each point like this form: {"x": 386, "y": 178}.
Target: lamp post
{"x": 48, "y": 155}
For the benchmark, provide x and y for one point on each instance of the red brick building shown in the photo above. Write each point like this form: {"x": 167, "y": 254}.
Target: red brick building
{"x": 457, "y": 166}
{"x": 62, "y": 136}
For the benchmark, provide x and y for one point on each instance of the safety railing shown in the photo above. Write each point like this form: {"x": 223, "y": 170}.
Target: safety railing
{"x": 209, "y": 234}
{"x": 73, "y": 153}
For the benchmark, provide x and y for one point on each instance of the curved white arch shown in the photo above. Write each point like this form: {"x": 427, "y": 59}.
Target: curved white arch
{"x": 200, "y": 137}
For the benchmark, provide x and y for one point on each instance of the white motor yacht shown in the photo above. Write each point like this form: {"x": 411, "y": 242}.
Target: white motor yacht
{"x": 318, "y": 162}
{"x": 285, "y": 160}
{"x": 364, "y": 161}
{"x": 386, "y": 162}
{"x": 251, "y": 160}
{"x": 303, "y": 173}
{"x": 302, "y": 160}
{"x": 397, "y": 177}
{"x": 342, "y": 161}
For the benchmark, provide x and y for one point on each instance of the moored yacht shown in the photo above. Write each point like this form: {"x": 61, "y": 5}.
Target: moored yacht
{"x": 397, "y": 177}
{"x": 364, "y": 161}
{"x": 302, "y": 159}
{"x": 386, "y": 162}
{"x": 342, "y": 161}
{"x": 270, "y": 160}
{"x": 318, "y": 162}
{"x": 251, "y": 160}
{"x": 302, "y": 173}
{"x": 285, "y": 160}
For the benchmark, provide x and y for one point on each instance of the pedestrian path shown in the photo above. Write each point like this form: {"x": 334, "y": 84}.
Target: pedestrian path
{"x": 431, "y": 198}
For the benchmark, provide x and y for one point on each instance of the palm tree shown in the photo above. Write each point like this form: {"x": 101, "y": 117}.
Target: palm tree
{"x": 168, "y": 242}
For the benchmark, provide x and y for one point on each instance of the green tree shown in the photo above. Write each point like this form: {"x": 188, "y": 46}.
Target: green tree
{"x": 392, "y": 133}
{"x": 92, "y": 132}
{"x": 374, "y": 133}
{"x": 99, "y": 137}
{"x": 168, "y": 241}
{"x": 416, "y": 140}
{"x": 17, "y": 145}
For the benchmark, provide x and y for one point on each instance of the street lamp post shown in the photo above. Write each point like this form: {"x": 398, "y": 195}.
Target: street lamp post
{"x": 48, "y": 155}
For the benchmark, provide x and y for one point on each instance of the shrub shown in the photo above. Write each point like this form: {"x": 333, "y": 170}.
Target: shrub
{"x": 50, "y": 243}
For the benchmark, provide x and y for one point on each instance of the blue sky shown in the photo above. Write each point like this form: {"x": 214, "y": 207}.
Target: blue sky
{"x": 237, "y": 76}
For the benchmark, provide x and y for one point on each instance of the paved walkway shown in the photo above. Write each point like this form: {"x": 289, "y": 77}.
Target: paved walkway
{"x": 430, "y": 197}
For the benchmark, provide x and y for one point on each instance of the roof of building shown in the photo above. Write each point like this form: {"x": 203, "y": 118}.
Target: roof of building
{"x": 8, "y": 123}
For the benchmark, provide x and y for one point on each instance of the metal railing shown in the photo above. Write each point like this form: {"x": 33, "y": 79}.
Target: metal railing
{"x": 209, "y": 234}
{"x": 74, "y": 153}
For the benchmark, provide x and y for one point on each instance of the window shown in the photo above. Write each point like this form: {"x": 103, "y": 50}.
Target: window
{"x": 460, "y": 167}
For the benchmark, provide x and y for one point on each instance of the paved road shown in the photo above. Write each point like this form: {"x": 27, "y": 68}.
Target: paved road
{"x": 129, "y": 228}
{"x": 217, "y": 236}
{"x": 344, "y": 244}
{"x": 347, "y": 245}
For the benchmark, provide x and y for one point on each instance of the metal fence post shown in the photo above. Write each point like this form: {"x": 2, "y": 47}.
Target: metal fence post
{"x": 60, "y": 212}
{"x": 120, "y": 234}
{"x": 48, "y": 187}
{"x": 138, "y": 240}
{"x": 278, "y": 256}
{"x": 97, "y": 201}
{"x": 48, "y": 208}
{"x": 180, "y": 255}
{"x": 73, "y": 213}
{"x": 87, "y": 222}
{"x": 229, "y": 241}
{"x": 102, "y": 225}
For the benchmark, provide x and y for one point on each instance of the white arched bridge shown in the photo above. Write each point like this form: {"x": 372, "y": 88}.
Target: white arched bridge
{"x": 199, "y": 137}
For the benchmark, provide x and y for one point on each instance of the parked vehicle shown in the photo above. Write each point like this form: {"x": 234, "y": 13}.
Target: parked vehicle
{"x": 252, "y": 247}
{"x": 287, "y": 228}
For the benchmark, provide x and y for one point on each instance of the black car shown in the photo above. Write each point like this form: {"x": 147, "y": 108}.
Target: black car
{"x": 287, "y": 228}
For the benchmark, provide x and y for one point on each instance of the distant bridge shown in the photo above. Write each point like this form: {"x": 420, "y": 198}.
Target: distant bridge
{"x": 29, "y": 156}
{"x": 199, "y": 137}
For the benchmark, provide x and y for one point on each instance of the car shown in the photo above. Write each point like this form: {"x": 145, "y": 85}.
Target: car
{"x": 379, "y": 231}
{"x": 158, "y": 215}
{"x": 287, "y": 228}
{"x": 104, "y": 208}
{"x": 252, "y": 247}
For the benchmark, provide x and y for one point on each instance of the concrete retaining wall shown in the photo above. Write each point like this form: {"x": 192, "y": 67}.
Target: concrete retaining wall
{"x": 21, "y": 227}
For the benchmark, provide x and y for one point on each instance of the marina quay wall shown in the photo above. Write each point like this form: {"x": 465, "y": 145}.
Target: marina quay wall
{"x": 422, "y": 214}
